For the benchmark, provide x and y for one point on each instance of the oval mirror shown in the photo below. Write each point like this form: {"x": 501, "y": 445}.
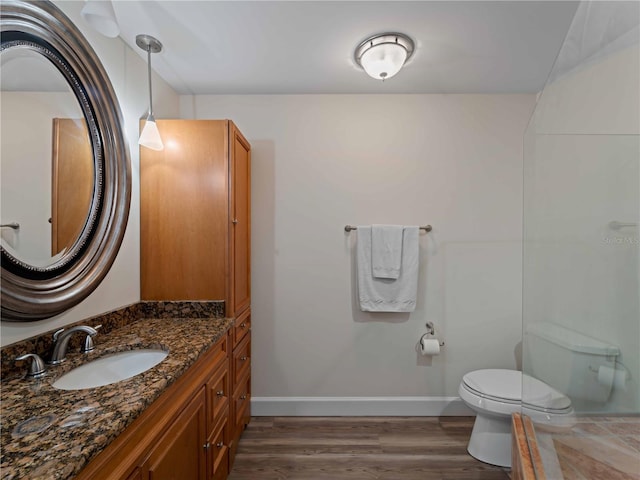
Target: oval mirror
{"x": 43, "y": 130}
{"x": 64, "y": 164}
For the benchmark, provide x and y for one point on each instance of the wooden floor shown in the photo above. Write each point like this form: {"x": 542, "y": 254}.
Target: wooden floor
{"x": 362, "y": 448}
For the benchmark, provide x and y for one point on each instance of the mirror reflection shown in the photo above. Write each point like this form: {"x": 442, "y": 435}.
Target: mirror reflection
{"x": 46, "y": 160}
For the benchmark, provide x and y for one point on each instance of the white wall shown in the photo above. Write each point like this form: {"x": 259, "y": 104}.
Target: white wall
{"x": 322, "y": 161}
{"x": 128, "y": 73}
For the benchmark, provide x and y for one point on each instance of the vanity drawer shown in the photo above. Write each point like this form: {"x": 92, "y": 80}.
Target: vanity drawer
{"x": 242, "y": 326}
{"x": 218, "y": 395}
{"x": 242, "y": 360}
{"x": 242, "y": 405}
{"x": 219, "y": 353}
{"x": 218, "y": 452}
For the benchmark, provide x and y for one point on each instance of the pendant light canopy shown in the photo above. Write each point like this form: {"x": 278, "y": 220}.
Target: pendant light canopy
{"x": 150, "y": 136}
{"x": 383, "y": 55}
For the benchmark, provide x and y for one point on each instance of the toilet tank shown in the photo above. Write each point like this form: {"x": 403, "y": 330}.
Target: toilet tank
{"x": 569, "y": 361}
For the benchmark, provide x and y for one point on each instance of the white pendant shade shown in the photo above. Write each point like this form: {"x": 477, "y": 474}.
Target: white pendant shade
{"x": 100, "y": 15}
{"x": 383, "y": 61}
{"x": 150, "y": 136}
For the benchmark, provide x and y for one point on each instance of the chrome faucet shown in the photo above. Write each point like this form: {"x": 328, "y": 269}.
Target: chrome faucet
{"x": 61, "y": 340}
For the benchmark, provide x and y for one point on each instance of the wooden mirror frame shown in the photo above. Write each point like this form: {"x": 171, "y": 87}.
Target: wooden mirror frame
{"x": 29, "y": 292}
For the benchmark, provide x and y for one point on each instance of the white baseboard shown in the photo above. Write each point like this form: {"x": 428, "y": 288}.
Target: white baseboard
{"x": 358, "y": 406}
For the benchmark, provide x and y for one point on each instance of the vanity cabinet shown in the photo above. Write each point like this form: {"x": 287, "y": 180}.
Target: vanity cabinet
{"x": 195, "y": 216}
{"x": 184, "y": 434}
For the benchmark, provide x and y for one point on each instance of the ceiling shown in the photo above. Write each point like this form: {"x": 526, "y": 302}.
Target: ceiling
{"x": 301, "y": 47}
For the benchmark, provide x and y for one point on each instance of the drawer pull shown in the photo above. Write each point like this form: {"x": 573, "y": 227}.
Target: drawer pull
{"x": 243, "y": 397}
{"x": 219, "y": 444}
{"x": 242, "y": 359}
{"x": 220, "y": 393}
{"x": 206, "y": 446}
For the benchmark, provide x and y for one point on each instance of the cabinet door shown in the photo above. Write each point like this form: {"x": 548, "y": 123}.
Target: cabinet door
{"x": 240, "y": 213}
{"x": 184, "y": 212}
{"x": 180, "y": 454}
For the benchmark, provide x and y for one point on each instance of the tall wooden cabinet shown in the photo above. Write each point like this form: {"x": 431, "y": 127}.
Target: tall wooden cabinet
{"x": 195, "y": 218}
{"x": 195, "y": 244}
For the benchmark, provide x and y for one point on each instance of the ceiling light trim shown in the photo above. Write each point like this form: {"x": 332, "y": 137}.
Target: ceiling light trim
{"x": 380, "y": 39}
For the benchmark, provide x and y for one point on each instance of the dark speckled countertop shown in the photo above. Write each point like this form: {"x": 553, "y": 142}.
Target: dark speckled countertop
{"x": 52, "y": 434}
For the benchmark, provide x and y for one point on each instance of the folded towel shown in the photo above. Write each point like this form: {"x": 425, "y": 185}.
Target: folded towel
{"x": 386, "y": 250}
{"x": 383, "y": 294}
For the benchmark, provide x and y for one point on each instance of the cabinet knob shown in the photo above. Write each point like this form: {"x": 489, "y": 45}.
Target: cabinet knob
{"x": 220, "y": 393}
{"x": 234, "y": 221}
{"x": 206, "y": 446}
{"x": 243, "y": 397}
{"x": 219, "y": 444}
{"x": 243, "y": 359}
{"x": 243, "y": 325}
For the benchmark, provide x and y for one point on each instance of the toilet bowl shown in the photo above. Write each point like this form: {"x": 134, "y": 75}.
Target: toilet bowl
{"x": 494, "y": 394}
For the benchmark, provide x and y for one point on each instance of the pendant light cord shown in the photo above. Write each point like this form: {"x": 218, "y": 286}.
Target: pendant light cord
{"x": 149, "y": 74}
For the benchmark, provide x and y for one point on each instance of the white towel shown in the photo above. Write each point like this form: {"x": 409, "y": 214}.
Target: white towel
{"x": 386, "y": 250}
{"x": 383, "y": 294}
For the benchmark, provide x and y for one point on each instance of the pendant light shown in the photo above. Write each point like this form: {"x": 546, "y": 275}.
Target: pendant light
{"x": 384, "y": 54}
{"x": 150, "y": 136}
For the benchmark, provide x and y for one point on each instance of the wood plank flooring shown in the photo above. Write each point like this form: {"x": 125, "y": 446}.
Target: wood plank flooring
{"x": 359, "y": 448}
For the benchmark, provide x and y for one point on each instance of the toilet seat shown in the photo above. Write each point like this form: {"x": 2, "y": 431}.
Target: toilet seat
{"x": 502, "y": 389}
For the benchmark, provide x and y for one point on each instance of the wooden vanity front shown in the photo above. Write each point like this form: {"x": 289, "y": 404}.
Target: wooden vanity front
{"x": 185, "y": 433}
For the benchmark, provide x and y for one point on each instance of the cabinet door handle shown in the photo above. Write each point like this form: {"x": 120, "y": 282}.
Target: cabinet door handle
{"x": 234, "y": 221}
{"x": 206, "y": 446}
{"x": 242, "y": 359}
{"x": 220, "y": 393}
{"x": 219, "y": 444}
{"x": 243, "y": 325}
{"x": 243, "y": 397}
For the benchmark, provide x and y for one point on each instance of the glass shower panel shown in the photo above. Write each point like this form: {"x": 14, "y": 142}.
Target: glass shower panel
{"x": 581, "y": 283}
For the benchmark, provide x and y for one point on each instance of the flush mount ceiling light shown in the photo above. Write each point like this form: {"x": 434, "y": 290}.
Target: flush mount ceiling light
{"x": 383, "y": 55}
{"x": 100, "y": 15}
{"x": 150, "y": 136}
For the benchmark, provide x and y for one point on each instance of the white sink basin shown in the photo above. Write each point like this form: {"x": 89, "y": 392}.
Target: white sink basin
{"x": 110, "y": 369}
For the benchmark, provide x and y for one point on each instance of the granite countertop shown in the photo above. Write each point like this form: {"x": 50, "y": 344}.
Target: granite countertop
{"x": 52, "y": 434}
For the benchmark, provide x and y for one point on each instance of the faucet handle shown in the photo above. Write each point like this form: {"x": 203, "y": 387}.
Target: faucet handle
{"x": 88, "y": 341}
{"x": 36, "y": 369}
{"x": 56, "y": 334}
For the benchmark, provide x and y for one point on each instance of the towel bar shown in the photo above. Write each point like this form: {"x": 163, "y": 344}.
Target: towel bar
{"x": 426, "y": 228}
{"x": 615, "y": 225}
{"x": 14, "y": 225}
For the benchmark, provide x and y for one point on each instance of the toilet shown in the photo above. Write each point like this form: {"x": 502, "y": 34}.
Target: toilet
{"x": 494, "y": 394}
{"x": 562, "y": 363}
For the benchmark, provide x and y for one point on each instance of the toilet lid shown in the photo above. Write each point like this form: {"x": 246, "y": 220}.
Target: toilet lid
{"x": 498, "y": 383}
{"x": 506, "y": 385}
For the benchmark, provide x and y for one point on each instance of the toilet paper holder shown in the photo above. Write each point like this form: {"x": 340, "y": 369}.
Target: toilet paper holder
{"x": 431, "y": 331}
